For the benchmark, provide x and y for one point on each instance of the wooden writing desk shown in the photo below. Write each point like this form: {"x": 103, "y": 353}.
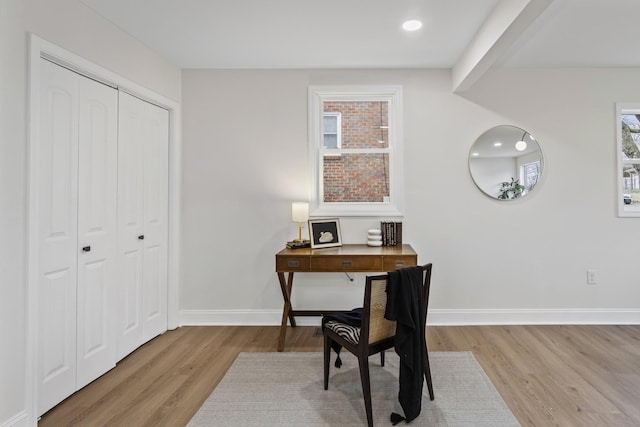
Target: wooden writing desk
{"x": 346, "y": 258}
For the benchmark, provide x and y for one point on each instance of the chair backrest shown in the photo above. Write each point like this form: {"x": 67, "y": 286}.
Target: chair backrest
{"x": 374, "y": 325}
{"x": 379, "y": 327}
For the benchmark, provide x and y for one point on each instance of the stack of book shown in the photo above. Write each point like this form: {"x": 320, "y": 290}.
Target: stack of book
{"x": 298, "y": 245}
{"x": 391, "y": 233}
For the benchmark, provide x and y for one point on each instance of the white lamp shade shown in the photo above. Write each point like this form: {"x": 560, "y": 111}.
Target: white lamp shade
{"x": 299, "y": 211}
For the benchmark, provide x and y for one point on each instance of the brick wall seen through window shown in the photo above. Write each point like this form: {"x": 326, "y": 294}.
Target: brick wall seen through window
{"x": 358, "y": 177}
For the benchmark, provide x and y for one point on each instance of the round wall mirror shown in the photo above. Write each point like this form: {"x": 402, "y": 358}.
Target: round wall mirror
{"x": 506, "y": 162}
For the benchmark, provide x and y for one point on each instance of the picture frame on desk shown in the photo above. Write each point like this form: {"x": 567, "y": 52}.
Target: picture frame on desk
{"x": 325, "y": 233}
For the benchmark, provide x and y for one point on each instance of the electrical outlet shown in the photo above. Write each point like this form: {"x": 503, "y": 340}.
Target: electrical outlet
{"x": 592, "y": 277}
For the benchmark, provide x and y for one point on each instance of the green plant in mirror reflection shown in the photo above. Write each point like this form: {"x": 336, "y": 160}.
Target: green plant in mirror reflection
{"x": 510, "y": 190}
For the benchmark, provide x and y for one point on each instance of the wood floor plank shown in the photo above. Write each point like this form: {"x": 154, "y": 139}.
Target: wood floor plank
{"x": 547, "y": 375}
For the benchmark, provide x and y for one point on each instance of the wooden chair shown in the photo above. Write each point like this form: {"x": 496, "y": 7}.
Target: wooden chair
{"x": 379, "y": 331}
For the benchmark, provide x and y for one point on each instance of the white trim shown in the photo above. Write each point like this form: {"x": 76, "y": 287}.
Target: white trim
{"x": 624, "y": 211}
{"x": 19, "y": 420}
{"x": 240, "y": 318}
{"x": 393, "y": 95}
{"x": 565, "y": 316}
{"x": 436, "y": 317}
{"x": 230, "y": 317}
{"x": 40, "y": 48}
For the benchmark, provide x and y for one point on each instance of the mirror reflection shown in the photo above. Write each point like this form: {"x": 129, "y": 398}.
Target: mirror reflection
{"x": 506, "y": 162}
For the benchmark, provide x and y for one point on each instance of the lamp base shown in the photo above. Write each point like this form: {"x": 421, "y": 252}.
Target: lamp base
{"x": 296, "y": 244}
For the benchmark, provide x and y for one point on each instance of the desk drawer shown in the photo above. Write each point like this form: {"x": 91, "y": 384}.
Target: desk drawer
{"x": 392, "y": 262}
{"x": 346, "y": 263}
{"x": 292, "y": 263}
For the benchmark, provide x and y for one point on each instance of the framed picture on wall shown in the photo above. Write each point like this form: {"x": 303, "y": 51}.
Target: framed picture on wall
{"x": 325, "y": 233}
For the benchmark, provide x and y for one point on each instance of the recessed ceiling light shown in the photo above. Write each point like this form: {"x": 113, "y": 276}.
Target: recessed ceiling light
{"x": 497, "y": 144}
{"x": 412, "y": 25}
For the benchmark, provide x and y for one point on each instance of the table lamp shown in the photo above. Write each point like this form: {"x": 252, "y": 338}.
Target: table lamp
{"x": 300, "y": 214}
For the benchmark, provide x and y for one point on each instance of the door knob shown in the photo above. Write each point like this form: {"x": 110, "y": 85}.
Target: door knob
{"x": 86, "y": 249}
{"x": 141, "y": 237}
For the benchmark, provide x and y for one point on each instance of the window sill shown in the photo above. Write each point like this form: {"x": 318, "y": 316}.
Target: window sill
{"x": 355, "y": 211}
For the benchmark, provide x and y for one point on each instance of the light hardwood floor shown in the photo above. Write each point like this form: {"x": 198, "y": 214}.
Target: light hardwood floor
{"x": 548, "y": 375}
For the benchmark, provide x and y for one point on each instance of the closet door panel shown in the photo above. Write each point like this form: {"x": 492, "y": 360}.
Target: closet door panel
{"x": 97, "y": 189}
{"x": 131, "y": 297}
{"x": 154, "y": 302}
{"x": 130, "y": 224}
{"x": 56, "y": 199}
{"x": 57, "y": 184}
{"x": 57, "y": 331}
{"x": 142, "y": 221}
{"x": 75, "y": 195}
{"x": 156, "y": 188}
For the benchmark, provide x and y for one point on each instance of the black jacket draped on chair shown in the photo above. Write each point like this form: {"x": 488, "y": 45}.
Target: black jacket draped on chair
{"x": 405, "y": 305}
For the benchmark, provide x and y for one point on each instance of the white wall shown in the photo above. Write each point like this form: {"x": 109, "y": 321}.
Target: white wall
{"x": 245, "y": 158}
{"x": 74, "y": 27}
{"x": 12, "y": 210}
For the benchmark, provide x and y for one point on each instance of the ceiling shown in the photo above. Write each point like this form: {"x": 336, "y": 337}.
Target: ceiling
{"x": 368, "y": 34}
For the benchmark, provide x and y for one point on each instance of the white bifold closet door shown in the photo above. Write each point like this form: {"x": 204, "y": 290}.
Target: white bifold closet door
{"x": 143, "y": 180}
{"x": 75, "y": 194}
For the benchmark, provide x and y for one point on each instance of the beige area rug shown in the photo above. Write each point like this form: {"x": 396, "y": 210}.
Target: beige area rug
{"x": 286, "y": 389}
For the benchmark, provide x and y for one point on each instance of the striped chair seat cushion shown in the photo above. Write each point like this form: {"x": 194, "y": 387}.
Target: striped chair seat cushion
{"x": 348, "y": 332}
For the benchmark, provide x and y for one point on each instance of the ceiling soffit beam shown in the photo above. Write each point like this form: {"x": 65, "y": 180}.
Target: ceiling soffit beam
{"x": 506, "y": 23}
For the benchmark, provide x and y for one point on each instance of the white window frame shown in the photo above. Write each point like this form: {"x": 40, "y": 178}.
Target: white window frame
{"x": 393, "y": 96}
{"x": 338, "y": 117}
{"x": 624, "y": 210}
{"x": 523, "y": 173}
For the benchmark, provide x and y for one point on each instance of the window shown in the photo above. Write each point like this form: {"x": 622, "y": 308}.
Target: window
{"x": 530, "y": 175}
{"x": 331, "y": 136}
{"x": 628, "y": 148}
{"x": 355, "y": 146}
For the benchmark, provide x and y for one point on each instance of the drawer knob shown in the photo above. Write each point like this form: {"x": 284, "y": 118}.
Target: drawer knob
{"x": 399, "y": 263}
{"x": 293, "y": 263}
{"x": 347, "y": 263}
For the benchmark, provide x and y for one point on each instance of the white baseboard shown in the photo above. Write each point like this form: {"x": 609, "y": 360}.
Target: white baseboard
{"x": 230, "y": 317}
{"x": 441, "y": 317}
{"x": 568, "y": 316}
{"x": 19, "y": 420}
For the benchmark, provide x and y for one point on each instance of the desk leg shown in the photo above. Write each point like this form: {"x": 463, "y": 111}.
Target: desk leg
{"x": 285, "y": 286}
